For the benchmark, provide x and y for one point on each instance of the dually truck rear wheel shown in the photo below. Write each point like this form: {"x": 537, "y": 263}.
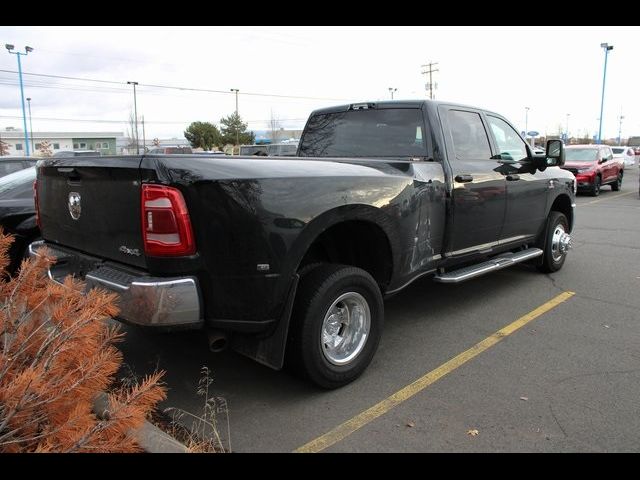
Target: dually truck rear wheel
{"x": 336, "y": 325}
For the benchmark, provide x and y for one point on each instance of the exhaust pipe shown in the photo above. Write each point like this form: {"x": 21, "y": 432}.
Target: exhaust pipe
{"x": 218, "y": 340}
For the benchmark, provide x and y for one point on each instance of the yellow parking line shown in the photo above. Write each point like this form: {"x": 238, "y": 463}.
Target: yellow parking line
{"x": 362, "y": 419}
{"x": 607, "y": 198}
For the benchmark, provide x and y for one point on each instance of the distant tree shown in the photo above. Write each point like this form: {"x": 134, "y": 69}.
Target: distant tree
{"x": 45, "y": 149}
{"x": 234, "y": 130}
{"x": 4, "y": 148}
{"x": 131, "y": 132}
{"x": 203, "y": 135}
{"x": 274, "y": 126}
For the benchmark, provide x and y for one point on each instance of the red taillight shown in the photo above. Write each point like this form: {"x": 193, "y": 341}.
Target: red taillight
{"x": 37, "y": 203}
{"x": 166, "y": 227}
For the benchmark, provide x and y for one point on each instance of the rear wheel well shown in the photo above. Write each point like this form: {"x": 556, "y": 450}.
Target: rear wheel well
{"x": 358, "y": 243}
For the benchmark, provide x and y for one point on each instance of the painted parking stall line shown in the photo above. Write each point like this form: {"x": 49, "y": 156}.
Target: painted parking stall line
{"x": 347, "y": 428}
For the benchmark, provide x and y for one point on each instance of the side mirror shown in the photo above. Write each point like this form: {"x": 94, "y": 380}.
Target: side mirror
{"x": 555, "y": 153}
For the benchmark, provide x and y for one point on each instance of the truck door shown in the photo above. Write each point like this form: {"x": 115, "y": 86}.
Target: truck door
{"x": 527, "y": 188}
{"x": 478, "y": 196}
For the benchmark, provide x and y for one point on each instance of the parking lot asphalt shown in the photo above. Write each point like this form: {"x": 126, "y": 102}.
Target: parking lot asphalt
{"x": 567, "y": 380}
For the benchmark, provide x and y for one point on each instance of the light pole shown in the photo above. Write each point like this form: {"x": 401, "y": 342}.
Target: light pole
{"x": 237, "y": 132}
{"x": 391, "y": 90}
{"x": 606, "y": 47}
{"x": 30, "y": 124}
{"x": 526, "y": 123}
{"x": 9, "y": 48}
{"x": 620, "y": 118}
{"x": 135, "y": 112}
{"x": 567, "y": 130}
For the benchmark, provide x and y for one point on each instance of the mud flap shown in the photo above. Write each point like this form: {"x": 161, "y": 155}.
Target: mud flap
{"x": 269, "y": 350}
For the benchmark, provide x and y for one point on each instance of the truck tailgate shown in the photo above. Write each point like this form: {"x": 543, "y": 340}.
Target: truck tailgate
{"x": 92, "y": 204}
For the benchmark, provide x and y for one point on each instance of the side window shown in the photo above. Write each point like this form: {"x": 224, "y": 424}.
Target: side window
{"x": 609, "y": 153}
{"x": 510, "y": 144}
{"x": 469, "y": 137}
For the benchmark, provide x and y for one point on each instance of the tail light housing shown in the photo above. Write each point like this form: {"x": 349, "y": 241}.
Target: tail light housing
{"x": 166, "y": 226}
{"x": 37, "y": 203}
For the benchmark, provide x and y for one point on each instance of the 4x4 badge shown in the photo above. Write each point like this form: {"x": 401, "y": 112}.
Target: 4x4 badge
{"x": 74, "y": 205}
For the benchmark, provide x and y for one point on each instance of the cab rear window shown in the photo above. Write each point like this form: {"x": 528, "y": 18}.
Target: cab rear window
{"x": 365, "y": 133}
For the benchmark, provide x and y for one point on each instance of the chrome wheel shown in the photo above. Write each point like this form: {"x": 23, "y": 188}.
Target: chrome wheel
{"x": 560, "y": 243}
{"x": 345, "y": 328}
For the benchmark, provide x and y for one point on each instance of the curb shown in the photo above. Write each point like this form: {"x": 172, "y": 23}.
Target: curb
{"x": 149, "y": 437}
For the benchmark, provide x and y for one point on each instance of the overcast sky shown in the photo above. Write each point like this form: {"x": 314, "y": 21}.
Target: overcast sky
{"x": 554, "y": 71}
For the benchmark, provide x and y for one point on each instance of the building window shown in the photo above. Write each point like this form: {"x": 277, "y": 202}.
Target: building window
{"x": 83, "y": 145}
{"x": 18, "y": 146}
{"x": 38, "y": 145}
{"x": 56, "y": 146}
{"x": 105, "y": 145}
{"x": 75, "y": 145}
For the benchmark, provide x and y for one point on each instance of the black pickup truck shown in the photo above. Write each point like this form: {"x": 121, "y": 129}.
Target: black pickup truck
{"x": 288, "y": 259}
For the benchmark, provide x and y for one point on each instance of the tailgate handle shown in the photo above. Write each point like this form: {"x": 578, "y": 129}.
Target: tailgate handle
{"x": 69, "y": 172}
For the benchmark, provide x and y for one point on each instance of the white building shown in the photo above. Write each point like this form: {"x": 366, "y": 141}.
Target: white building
{"x": 104, "y": 142}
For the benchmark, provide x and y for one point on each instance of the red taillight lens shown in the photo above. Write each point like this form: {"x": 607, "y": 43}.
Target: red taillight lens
{"x": 166, "y": 227}
{"x": 37, "y": 203}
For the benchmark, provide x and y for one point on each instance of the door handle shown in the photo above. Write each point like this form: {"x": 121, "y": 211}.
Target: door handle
{"x": 464, "y": 178}
{"x": 513, "y": 177}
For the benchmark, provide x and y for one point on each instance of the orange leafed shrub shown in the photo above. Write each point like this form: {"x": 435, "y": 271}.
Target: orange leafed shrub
{"x": 56, "y": 356}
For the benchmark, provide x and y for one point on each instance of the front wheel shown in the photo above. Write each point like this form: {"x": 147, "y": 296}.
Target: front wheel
{"x": 595, "y": 188}
{"x": 557, "y": 243}
{"x": 336, "y": 325}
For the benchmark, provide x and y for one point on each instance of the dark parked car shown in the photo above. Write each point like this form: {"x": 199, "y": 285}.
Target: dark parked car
{"x": 13, "y": 164}
{"x": 76, "y": 153}
{"x": 18, "y": 212}
{"x": 259, "y": 150}
{"x": 282, "y": 149}
{"x": 175, "y": 150}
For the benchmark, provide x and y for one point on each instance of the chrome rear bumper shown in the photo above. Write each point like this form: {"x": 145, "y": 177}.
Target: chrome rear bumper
{"x": 143, "y": 300}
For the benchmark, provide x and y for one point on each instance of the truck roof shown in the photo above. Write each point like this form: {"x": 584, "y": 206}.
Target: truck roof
{"x": 392, "y": 104}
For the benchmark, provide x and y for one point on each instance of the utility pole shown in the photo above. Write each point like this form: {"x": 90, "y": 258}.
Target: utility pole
{"x": 391, "y": 90}
{"x": 135, "y": 112}
{"x": 429, "y": 70}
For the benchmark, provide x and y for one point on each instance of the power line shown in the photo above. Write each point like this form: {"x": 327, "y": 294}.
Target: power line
{"x": 173, "y": 87}
{"x": 166, "y": 122}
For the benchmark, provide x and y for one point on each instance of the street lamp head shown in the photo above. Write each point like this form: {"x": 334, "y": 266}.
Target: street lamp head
{"x": 28, "y": 99}
{"x": 28, "y": 49}
{"x": 607, "y": 46}
{"x": 132, "y": 83}
{"x": 8, "y": 46}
